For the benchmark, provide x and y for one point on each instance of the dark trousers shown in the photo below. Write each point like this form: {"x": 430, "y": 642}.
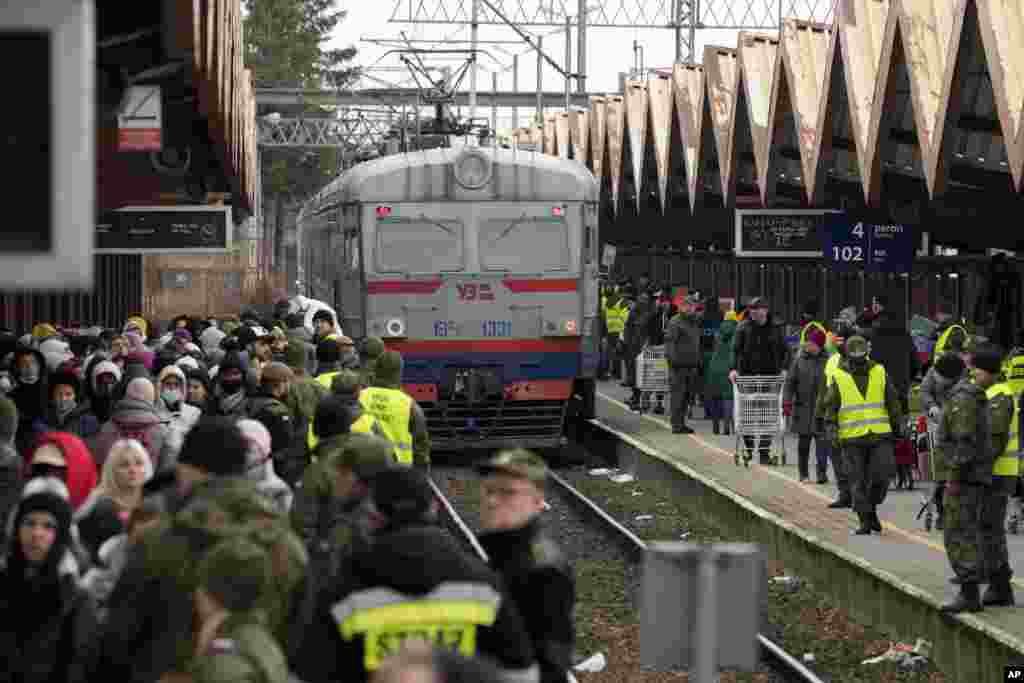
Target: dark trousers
{"x": 603, "y": 363}
{"x": 681, "y": 387}
{"x": 630, "y": 378}
{"x": 840, "y": 471}
{"x": 803, "y": 453}
{"x": 993, "y": 535}
{"x": 719, "y": 409}
{"x": 870, "y": 466}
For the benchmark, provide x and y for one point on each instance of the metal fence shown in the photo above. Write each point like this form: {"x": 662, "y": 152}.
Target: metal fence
{"x": 950, "y": 284}
{"x": 116, "y": 294}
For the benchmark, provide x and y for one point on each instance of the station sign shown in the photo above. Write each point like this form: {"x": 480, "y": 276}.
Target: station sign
{"x": 140, "y": 122}
{"x": 165, "y": 229}
{"x": 855, "y": 242}
{"x": 781, "y": 233}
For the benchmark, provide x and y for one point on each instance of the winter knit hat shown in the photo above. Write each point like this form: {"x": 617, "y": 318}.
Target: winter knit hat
{"x": 235, "y": 573}
{"x": 816, "y": 336}
{"x": 217, "y": 446}
{"x": 988, "y": 357}
{"x": 388, "y": 369}
{"x": 8, "y": 419}
{"x": 335, "y": 415}
{"x": 402, "y": 493}
{"x": 141, "y": 389}
{"x": 104, "y": 367}
{"x": 257, "y": 435}
{"x": 47, "y": 501}
{"x": 950, "y": 366}
{"x": 374, "y": 347}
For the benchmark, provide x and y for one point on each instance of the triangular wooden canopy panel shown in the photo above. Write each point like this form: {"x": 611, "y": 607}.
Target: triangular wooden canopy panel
{"x": 795, "y": 77}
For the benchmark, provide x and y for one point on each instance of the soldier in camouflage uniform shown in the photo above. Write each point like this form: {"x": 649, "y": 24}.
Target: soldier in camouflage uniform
{"x": 372, "y": 350}
{"x": 322, "y": 515}
{"x": 149, "y": 627}
{"x": 1005, "y": 425}
{"x": 234, "y": 643}
{"x": 965, "y": 436}
{"x": 862, "y": 412}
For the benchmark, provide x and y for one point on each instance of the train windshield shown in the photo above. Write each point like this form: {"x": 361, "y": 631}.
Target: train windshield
{"x": 419, "y": 245}
{"x": 527, "y": 243}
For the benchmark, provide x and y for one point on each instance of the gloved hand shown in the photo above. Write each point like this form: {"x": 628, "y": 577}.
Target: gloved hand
{"x": 935, "y": 413}
{"x": 787, "y": 409}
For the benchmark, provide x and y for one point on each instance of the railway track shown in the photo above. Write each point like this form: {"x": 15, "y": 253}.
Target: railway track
{"x": 569, "y": 505}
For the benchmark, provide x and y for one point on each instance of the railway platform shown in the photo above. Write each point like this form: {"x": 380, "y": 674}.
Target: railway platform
{"x": 896, "y": 580}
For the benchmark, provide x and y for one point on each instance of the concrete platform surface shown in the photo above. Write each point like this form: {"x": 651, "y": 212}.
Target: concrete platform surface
{"x": 904, "y": 549}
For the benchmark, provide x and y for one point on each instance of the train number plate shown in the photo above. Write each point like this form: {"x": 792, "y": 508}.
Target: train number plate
{"x": 446, "y": 328}
{"x": 496, "y": 328}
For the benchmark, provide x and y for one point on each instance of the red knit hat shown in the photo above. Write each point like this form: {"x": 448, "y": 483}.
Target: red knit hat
{"x": 816, "y": 336}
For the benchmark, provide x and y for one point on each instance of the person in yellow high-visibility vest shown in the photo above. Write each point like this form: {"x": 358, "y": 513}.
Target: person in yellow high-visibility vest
{"x": 1013, "y": 366}
{"x": 347, "y": 386}
{"x": 862, "y": 413}
{"x": 615, "y": 313}
{"x": 1004, "y": 422}
{"x": 401, "y": 417}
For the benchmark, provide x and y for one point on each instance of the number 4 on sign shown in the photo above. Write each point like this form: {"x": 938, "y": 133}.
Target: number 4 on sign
{"x": 858, "y": 230}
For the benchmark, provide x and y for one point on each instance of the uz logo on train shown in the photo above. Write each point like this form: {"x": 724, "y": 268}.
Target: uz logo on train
{"x": 472, "y": 291}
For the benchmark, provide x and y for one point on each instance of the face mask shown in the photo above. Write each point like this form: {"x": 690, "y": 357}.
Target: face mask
{"x": 171, "y": 397}
{"x": 29, "y": 375}
{"x": 231, "y": 387}
{"x": 64, "y": 406}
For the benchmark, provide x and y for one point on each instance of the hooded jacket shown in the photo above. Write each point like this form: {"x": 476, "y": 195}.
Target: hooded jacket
{"x": 82, "y": 476}
{"x": 180, "y": 418}
{"x": 32, "y": 400}
{"x": 138, "y": 420}
{"x": 80, "y": 421}
{"x": 760, "y": 349}
{"x": 52, "y": 638}
{"x": 717, "y": 384}
{"x": 803, "y": 386}
{"x": 413, "y": 561}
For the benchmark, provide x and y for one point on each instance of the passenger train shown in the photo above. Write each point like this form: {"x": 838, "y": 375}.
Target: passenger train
{"x": 481, "y": 267}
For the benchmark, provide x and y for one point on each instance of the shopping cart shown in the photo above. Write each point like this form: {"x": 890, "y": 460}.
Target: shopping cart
{"x": 651, "y": 377}
{"x": 758, "y": 415}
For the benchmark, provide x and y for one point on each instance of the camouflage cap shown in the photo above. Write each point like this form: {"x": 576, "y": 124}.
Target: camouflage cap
{"x": 517, "y": 462}
{"x": 857, "y": 346}
{"x": 364, "y": 454}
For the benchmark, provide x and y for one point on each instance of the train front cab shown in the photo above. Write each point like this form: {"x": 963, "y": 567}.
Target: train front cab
{"x": 493, "y": 305}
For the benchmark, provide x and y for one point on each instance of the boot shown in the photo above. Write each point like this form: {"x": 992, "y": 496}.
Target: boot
{"x": 822, "y": 475}
{"x": 939, "y": 515}
{"x": 966, "y": 601}
{"x": 727, "y": 428}
{"x": 865, "y": 524}
{"x": 876, "y": 524}
{"x": 999, "y": 592}
{"x": 841, "y": 503}
{"x": 714, "y": 427}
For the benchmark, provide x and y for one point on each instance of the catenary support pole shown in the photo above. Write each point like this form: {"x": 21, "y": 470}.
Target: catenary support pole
{"x": 581, "y": 48}
{"x": 568, "y": 62}
{"x": 515, "y": 88}
{"x": 540, "y": 81}
{"x": 474, "y": 36}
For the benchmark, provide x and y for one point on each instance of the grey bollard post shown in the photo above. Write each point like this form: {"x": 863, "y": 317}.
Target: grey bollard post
{"x": 700, "y": 608}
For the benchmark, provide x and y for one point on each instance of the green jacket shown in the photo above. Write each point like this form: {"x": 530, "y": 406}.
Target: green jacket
{"x": 304, "y": 396}
{"x": 243, "y": 652}
{"x": 417, "y": 427}
{"x": 830, "y": 401}
{"x": 716, "y": 378}
{"x": 965, "y": 435}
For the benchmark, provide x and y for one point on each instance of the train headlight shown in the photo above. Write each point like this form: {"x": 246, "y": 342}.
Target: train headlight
{"x": 570, "y": 327}
{"x": 394, "y": 327}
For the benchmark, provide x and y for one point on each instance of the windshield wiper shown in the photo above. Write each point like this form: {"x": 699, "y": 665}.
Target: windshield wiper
{"x": 511, "y": 226}
{"x": 423, "y": 217}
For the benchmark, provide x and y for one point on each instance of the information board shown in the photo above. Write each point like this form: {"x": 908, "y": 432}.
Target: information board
{"x": 852, "y": 243}
{"x": 164, "y": 229}
{"x": 781, "y": 233}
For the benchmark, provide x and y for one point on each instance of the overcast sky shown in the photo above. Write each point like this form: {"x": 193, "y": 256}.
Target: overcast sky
{"x": 609, "y": 51}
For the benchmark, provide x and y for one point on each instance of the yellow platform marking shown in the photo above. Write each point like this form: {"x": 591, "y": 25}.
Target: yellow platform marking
{"x": 789, "y": 480}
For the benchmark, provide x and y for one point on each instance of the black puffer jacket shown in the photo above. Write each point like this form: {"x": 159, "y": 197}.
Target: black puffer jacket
{"x": 760, "y": 349}
{"x": 411, "y": 561}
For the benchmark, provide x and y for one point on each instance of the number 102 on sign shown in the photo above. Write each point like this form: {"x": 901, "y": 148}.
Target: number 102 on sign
{"x": 848, "y": 254}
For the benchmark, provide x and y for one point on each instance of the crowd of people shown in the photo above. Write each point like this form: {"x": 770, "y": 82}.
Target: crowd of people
{"x": 249, "y": 500}
{"x": 848, "y": 391}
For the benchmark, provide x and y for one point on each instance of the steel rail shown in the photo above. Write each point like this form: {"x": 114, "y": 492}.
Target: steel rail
{"x": 770, "y": 649}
